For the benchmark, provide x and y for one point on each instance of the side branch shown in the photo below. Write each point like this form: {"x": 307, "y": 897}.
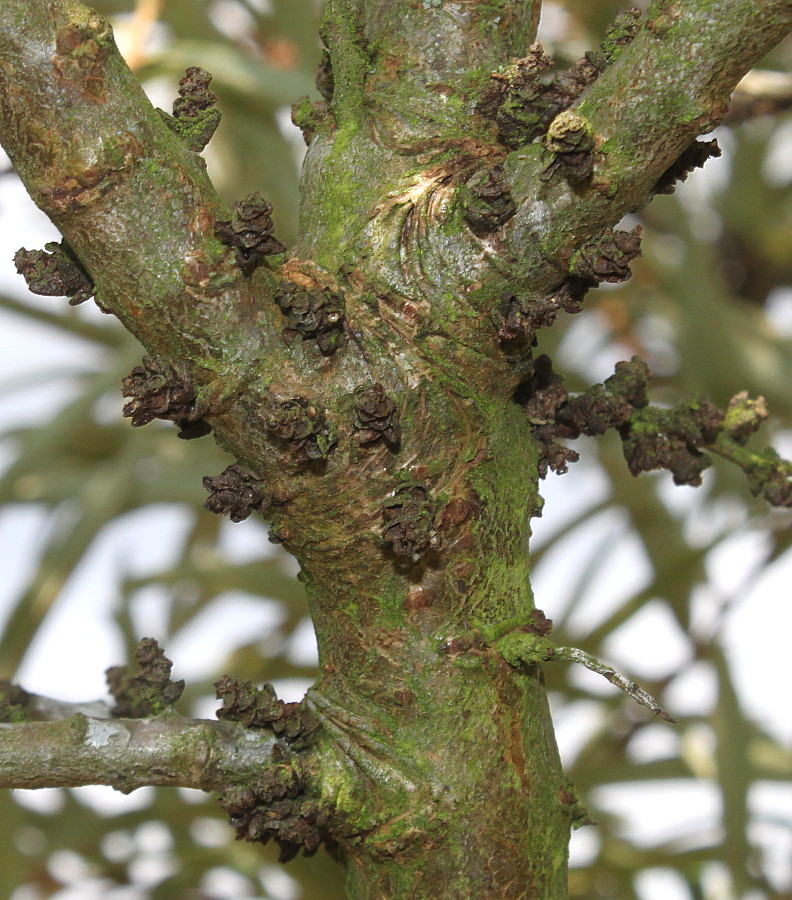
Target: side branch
{"x": 131, "y": 753}
{"x": 672, "y": 83}
{"x": 122, "y": 181}
{"x": 677, "y": 439}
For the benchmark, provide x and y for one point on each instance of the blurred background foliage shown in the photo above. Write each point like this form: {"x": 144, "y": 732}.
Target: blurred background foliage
{"x": 622, "y": 565}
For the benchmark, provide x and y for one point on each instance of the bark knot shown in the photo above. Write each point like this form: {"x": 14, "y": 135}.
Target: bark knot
{"x": 80, "y": 52}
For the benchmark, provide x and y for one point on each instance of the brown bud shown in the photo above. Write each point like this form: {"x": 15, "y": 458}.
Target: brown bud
{"x": 693, "y": 158}
{"x": 54, "y": 272}
{"x": 236, "y": 493}
{"x": 314, "y": 314}
{"x": 151, "y": 690}
{"x": 249, "y": 232}
{"x": 376, "y": 416}
{"x": 161, "y": 391}
{"x": 194, "y": 93}
{"x": 487, "y": 200}
{"x": 524, "y": 316}
{"x": 608, "y": 257}
{"x": 302, "y": 425}
{"x": 409, "y": 523}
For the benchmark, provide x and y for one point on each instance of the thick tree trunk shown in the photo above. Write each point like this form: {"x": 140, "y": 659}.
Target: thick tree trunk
{"x": 367, "y": 385}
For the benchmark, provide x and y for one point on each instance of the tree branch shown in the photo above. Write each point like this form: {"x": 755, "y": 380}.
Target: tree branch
{"x": 131, "y": 753}
{"x": 451, "y": 37}
{"x": 654, "y": 437}
{"x": 671, "y": 84}
{"x": 132, "y": 200}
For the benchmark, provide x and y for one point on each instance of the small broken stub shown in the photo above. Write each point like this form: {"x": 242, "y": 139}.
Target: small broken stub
{"x": 236, "y": 493}
{"x": 409, "y": 523}
{"x": 376, "y": 416}
{"x": 249, "y": 232}
{"x": 162, "y": 391}
{"x": 571, "y": 142}
{"x": 54, "y": 272}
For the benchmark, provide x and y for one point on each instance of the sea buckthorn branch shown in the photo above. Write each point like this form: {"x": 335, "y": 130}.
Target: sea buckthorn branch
{"x": 127, "y": 188}
{"x": 520, "y": 648}
{"x": 648, "y": 96}
{"x": 524, "y": 644}
{"x": 126, "y": 754}
{"x": 679, "y": 438}
{"x": 257, "y": 757}
{"x": 140, "y": 741}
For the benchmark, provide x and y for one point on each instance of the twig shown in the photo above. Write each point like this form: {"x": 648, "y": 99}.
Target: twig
{"x": 573, "y": 654}
{"x": 524, "y": 648}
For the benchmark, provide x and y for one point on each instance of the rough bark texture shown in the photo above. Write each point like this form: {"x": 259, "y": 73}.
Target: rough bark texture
{"x": 366, "y": 381}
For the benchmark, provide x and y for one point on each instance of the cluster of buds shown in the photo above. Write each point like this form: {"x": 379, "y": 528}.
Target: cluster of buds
{"x": 260, "y": 708}
{"x": 409, "y": 523}
{"x": 54, "y": 272}
{"x": 249, "y": 232}
{"x": 314, "y": 314}
{"x": 670, "y": 439}
{"x": 148, "y": 693}
{"x": 160, "y": 391}
{"x": 693, "y": 158}
{"x": 523, "y": 99}
{"x": 236, "y": 493}
{"x": 516, "y": 100}
{"x": 607, "y": 258}
{"x": 274, "y": 808}
{"x": 376, "y": 416}
{"x": 555, "y": 415}
{"x": 524, "y": 316}
{"x": 303, "y": 426}
{"x": 194, "y": 94}
{"x": 195, "y": 118}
